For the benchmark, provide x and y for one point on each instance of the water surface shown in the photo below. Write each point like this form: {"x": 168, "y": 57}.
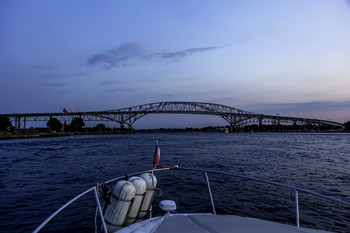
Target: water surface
{"x": 39, "y": 175}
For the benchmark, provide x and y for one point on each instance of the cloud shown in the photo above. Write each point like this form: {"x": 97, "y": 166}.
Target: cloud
{"x": 119, "y": 89}
{"x": 169, "y": 95}
{"x": 129, "y": 54}
{"x": 55, "y": 75}
{"x": 56, "y": 84}
{"x": 59, "y": 75}
{"x": 244, "y": 39}
{"x": 176, "y": 56}
{"x": 151, "y": 80}
{"x": 107, "y": 82}
{"x": 313, "y": 106}
{"x": 117, "y": 57}
{"x": 43, "y": 67}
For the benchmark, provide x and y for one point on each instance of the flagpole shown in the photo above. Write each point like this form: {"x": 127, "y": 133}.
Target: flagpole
{"x": 154, "y": 167}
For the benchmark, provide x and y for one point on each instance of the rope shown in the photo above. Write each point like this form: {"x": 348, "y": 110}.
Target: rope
{"x": 102, "y": 193}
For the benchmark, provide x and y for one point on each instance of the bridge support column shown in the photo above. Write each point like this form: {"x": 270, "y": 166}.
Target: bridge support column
{"x": 310, "y": 126}
{"x": 260, "y": 124}
{"x": 18, "y": 122}
{"x": 235, "y": 128}
{"x": 274, "y": 125}
{"x": 295, "y": 126}
{"x": 64, "y": 126}
{"x": 233, "y": 123}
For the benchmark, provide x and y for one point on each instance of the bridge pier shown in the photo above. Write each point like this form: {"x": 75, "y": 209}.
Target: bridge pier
{"x": 295, "y": 126}
{"x": 18, "y": 122}
{"x": 260, "y": 123}
{"x": 278, "y": 128}
{"x": 232, "y": 128}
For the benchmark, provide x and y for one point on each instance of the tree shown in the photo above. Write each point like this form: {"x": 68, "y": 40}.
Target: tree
{"x": 347, "y": 126}
{"x": 100, "y": 128}
{"x": 77, "y": 124}
{"x": 5, "y": 124}
{"x": 54, "y": 124}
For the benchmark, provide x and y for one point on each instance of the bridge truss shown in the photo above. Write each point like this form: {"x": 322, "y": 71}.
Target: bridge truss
{"x": 234, "y": 116}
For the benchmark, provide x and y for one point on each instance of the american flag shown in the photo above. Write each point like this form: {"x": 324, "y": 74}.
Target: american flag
{"x": 156, "y": 156}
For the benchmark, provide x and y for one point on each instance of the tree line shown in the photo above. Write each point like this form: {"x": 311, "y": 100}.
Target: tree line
{"x": 77, "y": 125}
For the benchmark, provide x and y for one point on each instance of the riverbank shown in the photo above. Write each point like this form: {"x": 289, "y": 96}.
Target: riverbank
{"x": 47, "y": 135}
{"x": 38, "y": 135}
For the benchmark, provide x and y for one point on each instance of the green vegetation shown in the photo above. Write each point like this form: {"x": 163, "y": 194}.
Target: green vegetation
{"x": 54, "y": 124}
{"x": 5, "y": 124}
{"x": 101, "y": 128}
{"x": 347, "y": 126}
{"x": 76, "y": 125}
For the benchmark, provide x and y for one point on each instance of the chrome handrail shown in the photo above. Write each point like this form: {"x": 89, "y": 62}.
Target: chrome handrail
{"x": 269, "y": 182}
{"x": 100, "y": 212}
{"x": 60, "y": 209}
{"x": 38, "y": 229}
{"x": 211, "y": 196}
{"x": 296, "y": 189}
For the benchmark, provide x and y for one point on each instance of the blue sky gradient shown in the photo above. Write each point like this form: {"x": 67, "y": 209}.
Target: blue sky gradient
{"x": 288, "y": 57}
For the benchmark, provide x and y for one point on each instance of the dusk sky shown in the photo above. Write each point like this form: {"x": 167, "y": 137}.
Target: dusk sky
{"x": 266, "y": 56}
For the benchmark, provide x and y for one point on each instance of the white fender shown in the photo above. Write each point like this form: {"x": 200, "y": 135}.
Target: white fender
{"x": 140, "y": 186}
{"x": 151, "y": 183}
{"x": 121, "y": 198}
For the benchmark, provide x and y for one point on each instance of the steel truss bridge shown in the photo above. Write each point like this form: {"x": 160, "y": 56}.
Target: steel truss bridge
{"x": 234, "y": 116}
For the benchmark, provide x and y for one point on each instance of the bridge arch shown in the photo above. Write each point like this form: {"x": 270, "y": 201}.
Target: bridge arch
{"x": 230, "y": 114}
{"x": 234, "y": 116}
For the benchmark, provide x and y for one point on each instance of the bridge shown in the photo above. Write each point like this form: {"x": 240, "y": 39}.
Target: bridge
{"x": 234, "y": 116}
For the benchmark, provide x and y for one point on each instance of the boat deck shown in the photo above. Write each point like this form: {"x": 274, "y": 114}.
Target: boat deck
{"x": 199, "y": 223}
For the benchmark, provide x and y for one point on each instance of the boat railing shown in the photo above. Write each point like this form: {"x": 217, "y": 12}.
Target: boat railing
{"x": 94, "y": 189}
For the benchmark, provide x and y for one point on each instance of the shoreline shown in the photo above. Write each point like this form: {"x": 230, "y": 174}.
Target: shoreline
{"x": 48, "y": 135}
{"x": 40, "y": 135}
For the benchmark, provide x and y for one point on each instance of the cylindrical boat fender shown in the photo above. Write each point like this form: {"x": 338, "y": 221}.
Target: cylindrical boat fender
{"x": 151, "y": 183}
{"x": 117, "y": 211}
{"x": 140, "y": 185}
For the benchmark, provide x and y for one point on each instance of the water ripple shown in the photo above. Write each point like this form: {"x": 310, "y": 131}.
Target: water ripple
{"x": 39, "y": 175}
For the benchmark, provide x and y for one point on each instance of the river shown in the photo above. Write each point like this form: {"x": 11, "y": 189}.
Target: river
{"x": 39, "y": 175}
